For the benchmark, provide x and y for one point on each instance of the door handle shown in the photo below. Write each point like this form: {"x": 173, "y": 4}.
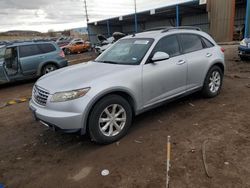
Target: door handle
{"x": 209, "y": 55}
{"x": 181, "y": 62}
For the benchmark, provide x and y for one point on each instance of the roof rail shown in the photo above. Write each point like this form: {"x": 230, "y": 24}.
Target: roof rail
{"x": 181, "y": 27}
{"x": 156, "y": 29}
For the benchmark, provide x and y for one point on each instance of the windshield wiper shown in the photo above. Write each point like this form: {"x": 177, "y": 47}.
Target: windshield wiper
{"x": 111, "y": 62}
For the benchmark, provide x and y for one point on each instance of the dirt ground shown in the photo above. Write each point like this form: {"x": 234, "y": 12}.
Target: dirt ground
{"x": 32, "y": 156}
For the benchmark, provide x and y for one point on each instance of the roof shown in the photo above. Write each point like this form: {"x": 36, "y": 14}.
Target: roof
{"x": 158, "y": 34}
{"x": 22, "y": 43}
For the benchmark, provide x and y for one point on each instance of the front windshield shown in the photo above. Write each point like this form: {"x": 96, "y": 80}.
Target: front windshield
{"x": 126, "y": 51}
{"x": 2, "y": 52}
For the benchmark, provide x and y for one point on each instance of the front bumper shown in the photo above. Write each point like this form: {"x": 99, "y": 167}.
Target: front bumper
{"x": 244, "y": 51}
{"x": 64, "y": 116}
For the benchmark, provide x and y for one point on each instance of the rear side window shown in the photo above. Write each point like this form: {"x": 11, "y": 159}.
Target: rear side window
{"x": 46, "y": 48}
{"x": 29, "y": 50}
{"x": 169, "y": 45}
{"x": 207, "y": 43}
{"x": 191, "y": 43}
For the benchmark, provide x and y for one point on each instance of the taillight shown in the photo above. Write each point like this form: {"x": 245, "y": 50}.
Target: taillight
{"x": 62, "y": 54}
{"x": 222, "y": 49}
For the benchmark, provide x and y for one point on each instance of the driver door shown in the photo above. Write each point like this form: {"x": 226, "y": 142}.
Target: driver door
{"x": 167, "y": 78}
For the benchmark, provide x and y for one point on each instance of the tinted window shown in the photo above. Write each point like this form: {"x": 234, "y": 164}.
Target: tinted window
{"x": 46, "y": 48}
{"x": 191, "y": 43}
{"x": 29, "y": 50}
{"x": 207, "y": 43}
{"x": 169, "y": 45}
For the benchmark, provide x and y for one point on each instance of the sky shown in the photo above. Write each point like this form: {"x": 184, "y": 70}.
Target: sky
{"x": 58, "y": 15}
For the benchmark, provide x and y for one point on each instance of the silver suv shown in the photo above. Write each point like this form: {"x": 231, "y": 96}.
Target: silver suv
{"x": 136, "y": 74}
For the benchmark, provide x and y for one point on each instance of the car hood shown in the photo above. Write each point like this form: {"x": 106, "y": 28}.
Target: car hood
{"x": 78, "y": 76}
{"x": 247, "y": 40}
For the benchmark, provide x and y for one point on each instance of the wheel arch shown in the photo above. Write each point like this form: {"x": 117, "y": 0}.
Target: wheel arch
{"x": 42, "y": 65}
{"x": 120, "y": 92}
{"x": 220, "y": 65}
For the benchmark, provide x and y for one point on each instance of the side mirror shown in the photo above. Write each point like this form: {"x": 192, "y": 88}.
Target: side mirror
{"x": 159, "y": 56}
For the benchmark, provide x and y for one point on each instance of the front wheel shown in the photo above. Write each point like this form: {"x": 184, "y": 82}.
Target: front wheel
{"x": 110, "y": 119}
{"x": 213, "y": 82}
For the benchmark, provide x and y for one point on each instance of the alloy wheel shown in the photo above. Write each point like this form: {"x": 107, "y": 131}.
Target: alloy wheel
{"x": 112, "y": 120}
{"x": 215, "y": 81}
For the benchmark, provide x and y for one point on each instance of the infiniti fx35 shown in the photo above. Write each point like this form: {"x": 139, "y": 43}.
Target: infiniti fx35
{"x": 137, "y": 73}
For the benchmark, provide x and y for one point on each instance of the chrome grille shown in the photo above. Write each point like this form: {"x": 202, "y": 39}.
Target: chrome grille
{"x": 40, "y": 95}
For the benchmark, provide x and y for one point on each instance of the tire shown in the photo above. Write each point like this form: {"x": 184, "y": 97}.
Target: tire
{"x": 213, "y": 82}
{"x": 107, "y": 135}
{"x": 48, "y": 68}
{"x": 67, "y": 51}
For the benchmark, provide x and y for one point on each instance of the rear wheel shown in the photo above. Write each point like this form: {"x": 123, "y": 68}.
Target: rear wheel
{"x": 213, "y": 82}
{"x": 48, "y": 68}
{"x": 110, "y": 119}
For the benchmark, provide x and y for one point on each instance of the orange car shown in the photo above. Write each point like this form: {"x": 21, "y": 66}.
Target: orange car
{"x": 76, "y": 47}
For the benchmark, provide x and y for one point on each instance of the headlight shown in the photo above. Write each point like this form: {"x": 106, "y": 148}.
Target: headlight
{"x": 69, "y": 95}
{"x": 243, "y": 43}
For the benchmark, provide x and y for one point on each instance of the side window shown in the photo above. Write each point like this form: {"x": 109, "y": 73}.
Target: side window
{"x": 46, "y": 48}
{"x": 29, "y": 50}
{"x": 79, "y": 43}
{"x": 191, "y": 43}
{"x": 207, "y": 42}
{"x": 169, "y": 45}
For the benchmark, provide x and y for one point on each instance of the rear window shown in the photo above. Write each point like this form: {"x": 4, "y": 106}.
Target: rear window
{"x": 191, "y": 43}
{"x": 46, "y": 48}
{"x": 29, "y": 50}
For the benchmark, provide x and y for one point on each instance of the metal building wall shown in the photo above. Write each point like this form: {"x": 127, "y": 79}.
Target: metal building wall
{"x": 200, "y": 21}
{"x": 221, "y": 17}
{"x": 240, "y": 15}
{"x": 95, "y": 30}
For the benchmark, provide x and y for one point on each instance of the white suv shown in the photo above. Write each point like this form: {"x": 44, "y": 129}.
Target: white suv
{"x": 136, "y": 74}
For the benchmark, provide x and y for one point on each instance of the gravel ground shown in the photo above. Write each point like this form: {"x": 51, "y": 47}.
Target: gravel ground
{"x": 32, "y": 156}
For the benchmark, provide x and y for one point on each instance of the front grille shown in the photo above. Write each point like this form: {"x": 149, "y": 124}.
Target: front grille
{"x": 40, "y": 95}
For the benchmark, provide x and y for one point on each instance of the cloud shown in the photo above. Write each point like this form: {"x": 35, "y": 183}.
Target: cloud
{"x": 43, "y": 15}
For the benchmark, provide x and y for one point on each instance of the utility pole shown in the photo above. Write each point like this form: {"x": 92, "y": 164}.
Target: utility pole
{"x": 136, "y": 29}
{"x": 87, "y": 18}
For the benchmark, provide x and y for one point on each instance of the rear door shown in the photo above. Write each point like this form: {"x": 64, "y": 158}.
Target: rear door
{"x": 197, "y": 56}
{"x": 30, "y": 56}
{"x": 167, "y": 78}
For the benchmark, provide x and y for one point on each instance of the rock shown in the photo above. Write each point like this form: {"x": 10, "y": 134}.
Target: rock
{"x": 138, "y": 142}
{"x": 160, "y": 121}
{"x": 191, "y": 104}
{"x": 105, "y": 172}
